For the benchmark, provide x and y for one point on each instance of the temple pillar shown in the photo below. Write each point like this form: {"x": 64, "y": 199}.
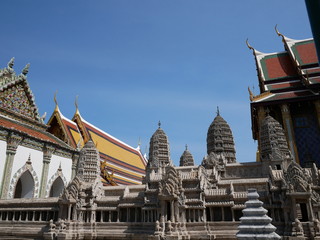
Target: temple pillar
{"x": 47, "y": 154}
{"x": 12, "y": 144}
{"x": 310, "y": 212}
{"x": 172, "y": 211}
{"x": 294, "y": 207}
{"x": 75, "y": 158}
{"x": 261, "y": 115}
{"x": 288, "y": 128}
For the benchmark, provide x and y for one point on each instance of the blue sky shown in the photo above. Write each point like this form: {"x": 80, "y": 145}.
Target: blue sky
{"x": 135, "y": 62}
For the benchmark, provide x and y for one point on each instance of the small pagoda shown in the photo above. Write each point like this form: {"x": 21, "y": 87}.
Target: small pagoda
{"x": 255, "y": 224}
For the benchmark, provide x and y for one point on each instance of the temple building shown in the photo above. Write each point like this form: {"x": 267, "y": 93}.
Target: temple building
{"x": 70, "y": 180}
{"x": 123, "y": 164}
{"x": 36, "y": 164}
{"x": 289, "y": 83}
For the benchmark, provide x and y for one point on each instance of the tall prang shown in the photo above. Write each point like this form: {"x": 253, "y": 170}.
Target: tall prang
{"x": 220, "y": 139}
{"x": 273, "y": 144}
{"x": 186, "y": 158}
{"x": 89, "y": 163}
{"x": 159, "y": 152}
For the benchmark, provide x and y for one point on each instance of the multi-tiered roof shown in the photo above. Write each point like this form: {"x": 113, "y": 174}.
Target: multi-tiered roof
{"x": 124, "y": 163}
{"x": 288, "y": 76}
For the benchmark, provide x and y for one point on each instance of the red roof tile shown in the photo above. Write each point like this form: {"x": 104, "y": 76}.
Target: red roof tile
{"x": 307, "y": 53}
{"x": 279, "y": 66}
{"x": 36, "y": 133}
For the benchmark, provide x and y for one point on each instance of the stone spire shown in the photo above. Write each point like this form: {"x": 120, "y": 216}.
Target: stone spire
{"x": 273, "y": 144}
{"x": 255, "y": 224}
{"x": 159, "y": 153}
{"x": 89, "y": 163}
{"x": 186, "y": 158}
{"x": 220, "y": 139}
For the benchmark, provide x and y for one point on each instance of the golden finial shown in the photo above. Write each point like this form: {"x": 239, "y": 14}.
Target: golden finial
{"x": 248, "y": 45}
{"x": 76, "y": 104}
{"x": 251, "y": 94}
{"x": 55, "y": 101}
{"x": 276, "y": 28}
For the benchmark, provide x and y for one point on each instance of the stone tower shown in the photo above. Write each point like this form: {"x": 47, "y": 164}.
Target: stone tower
{"x": 159, "y": 153}
{"x": 89, "y": 163}
{"x": 220, "y": 139}
{"x": 273, "y": 145}
{"x": 186, "y": 158}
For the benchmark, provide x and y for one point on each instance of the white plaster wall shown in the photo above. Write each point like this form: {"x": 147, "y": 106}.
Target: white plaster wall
{"x": 66, "y": 166}
{"x": 3, "y": 148}
{"x": 22, "y": 156}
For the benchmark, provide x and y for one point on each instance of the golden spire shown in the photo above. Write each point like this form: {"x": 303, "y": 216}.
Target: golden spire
{"x": 76, "y": 104}
{"x": 55, "y": 101}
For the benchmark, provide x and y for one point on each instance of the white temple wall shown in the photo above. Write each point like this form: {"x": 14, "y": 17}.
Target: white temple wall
{"x": 3, "y": 149}
{"x": 66, "y": 166}
{"x": 22, "y": 156}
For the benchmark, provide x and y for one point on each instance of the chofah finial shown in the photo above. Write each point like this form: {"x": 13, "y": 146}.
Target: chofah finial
{"x": 26, "y": 69}
{"x": 248, "y": 44}
{"x": 55, "y": 101}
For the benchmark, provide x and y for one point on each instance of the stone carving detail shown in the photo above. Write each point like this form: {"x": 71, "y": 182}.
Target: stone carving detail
{"x": 72, "y": 190}
{"x": 186, "y": 159}
{"x": 13, "y": 141}
{"x": 89, "y": 163}
{"x": 159, "y": 153}
{"x": 296, "y": 178}
{"x": 273, "y": 143}
{"x": 47, "y": 152}
{"x": 26, "y": 167}
{"x": 57, "y": 174}
{"x": 220, "y": 139}
{"x": 298, "y": 229}
{"x": 171, "y": 184}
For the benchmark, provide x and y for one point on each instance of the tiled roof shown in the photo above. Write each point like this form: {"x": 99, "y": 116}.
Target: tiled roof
{"x": 126, "y": 162}
{"x": 31, "y": 132}
{"x": 291, "y": 74}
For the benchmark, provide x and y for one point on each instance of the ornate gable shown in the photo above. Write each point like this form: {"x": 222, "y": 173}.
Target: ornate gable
{"x": 15, "y": 93}
{"x": 297, "y": 178}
